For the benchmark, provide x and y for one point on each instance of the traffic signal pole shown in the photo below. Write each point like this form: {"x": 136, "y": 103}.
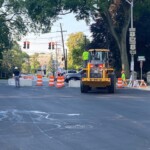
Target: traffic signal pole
{"x": 64, "y": 53}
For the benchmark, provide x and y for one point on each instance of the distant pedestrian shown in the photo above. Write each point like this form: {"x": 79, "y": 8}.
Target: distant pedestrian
{"x": 123, "y": 77}
{"x": 16, "y": 75}
{"x": 85, "y": 58}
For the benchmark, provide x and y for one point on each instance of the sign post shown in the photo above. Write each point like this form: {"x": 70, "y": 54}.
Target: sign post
{"x": 141, "y": 59}
{"x": 132, "y": 40}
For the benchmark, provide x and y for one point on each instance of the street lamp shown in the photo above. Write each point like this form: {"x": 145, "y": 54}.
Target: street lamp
{"x": 132, "y": 40}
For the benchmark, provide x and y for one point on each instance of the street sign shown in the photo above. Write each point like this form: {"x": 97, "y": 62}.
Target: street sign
{"x": 132, "y": 52}
{"x": 132, "y": 40}
{"x": 132, "y": 47}
{"x": 141, "y": 58}
{"x": 132, "y": 33}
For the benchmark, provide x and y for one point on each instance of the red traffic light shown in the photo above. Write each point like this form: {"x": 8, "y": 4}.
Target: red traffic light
{"x": 26, "y": 44}
{"x": 51, "y": 45}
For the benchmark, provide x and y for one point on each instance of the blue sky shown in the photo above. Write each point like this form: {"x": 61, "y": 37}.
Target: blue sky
{"x": 69, "y": 24}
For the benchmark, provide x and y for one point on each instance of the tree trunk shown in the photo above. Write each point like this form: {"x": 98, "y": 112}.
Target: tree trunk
{"x": 121, "y": 40}
{"x": 123, "y": 53}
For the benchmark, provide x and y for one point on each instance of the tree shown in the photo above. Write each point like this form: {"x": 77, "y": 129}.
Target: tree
{"x": 143, "y": 40}
{"x": 102, "y": 38}
{"x": 51, "y": 66}
{"x": 76, "y": 46}
{"x": 17, "y": 17}
{"x": 34, "y": 63}
{"x": 24, "y": 15}
{"x": 13, "y": 57}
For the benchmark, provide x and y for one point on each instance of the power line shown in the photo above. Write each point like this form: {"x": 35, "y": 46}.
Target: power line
{"x": 52, "y": 36}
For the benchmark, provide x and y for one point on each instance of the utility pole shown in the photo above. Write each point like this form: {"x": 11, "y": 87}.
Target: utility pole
{"x": 56, "y": 53}
{"x": 64, "y": 53}
{"x": 132, "y": 40}
{"x": 66, "y": 61}
{"x": 85, "y": 41}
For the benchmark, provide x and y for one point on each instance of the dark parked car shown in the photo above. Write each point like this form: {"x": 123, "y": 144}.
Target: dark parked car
{"x": 73, "y": 76}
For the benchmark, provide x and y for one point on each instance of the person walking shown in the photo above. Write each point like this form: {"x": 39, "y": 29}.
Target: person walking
{"x": 85, "y": 58}
{"x": 123, "y": 77}
{"x": 16, "y": 75}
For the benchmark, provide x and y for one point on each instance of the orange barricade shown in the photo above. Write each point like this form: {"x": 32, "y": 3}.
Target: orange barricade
{"x": 51, "y": 81}
{"x": 39, "y": 80}
{"x": 142, "y": 84}
{"x": 29, "y": 77}
{"x": 119, "y": 83}
{"x": 59, "y": 82}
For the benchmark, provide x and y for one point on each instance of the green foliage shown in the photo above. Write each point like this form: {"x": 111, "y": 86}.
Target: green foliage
{"x": 34, "y": 63}
{"x": 102, "y": 38}
{"x": 143, "y": 40}
{"x": 76, "y": 46}
{"x": 17, "y": 17}
{"x": 12, "y": 58}
{"x": 140, "y": 7}
{"x": 4, "y": 36}
{"x": 101, "y": 34}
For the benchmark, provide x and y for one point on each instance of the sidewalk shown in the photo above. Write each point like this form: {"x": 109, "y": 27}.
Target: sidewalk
{"x": 140, "y": 88}
{"x": 3, "y": 82}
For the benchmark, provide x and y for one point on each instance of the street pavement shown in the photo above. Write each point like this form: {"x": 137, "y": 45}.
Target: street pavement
{"x": 48, "y": 118}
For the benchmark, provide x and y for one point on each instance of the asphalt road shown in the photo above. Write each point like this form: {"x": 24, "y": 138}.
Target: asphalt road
{"x": 47, "y": 118}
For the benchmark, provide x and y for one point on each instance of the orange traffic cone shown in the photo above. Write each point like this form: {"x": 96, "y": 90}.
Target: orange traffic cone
{"x": 59, "y": 82}
{"x": 39, "y": 80}
{"x": 62, "y": 81}
{"x": 119, "y": 83}
{"x": 51, "y": 81}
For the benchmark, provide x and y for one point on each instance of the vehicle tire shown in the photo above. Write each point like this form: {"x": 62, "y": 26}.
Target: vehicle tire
{"x": 83, "y": 88}
{"x": 112, "y": 87}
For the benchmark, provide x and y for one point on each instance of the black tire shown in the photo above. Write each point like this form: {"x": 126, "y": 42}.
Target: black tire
{"x": 83, "y": 88}
{"x": 66, "y": 80}
{"x": 112, "y": 87}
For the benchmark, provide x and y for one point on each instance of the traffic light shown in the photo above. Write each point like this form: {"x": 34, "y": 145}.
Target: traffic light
{"x": 49, "y": 45}
{"x": 28, "y": 45}
{"x": 24, "y": 45}
{"x": 53, "y": 45}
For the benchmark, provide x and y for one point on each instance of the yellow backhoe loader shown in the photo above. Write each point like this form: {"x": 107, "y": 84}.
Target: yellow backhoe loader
{"x": 98, "y": 73}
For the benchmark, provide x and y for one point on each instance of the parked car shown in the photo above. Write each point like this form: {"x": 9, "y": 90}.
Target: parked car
{"x": 73, "y": 76}
{"x": 71, "y": 71}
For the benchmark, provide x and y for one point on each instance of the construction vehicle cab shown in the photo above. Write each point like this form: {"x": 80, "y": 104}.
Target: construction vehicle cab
{"x": 98, "y": 73}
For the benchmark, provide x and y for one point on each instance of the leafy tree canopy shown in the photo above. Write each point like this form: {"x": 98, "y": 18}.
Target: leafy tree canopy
{"x": 76, "y": 45}
{"x": 22, "y": 16}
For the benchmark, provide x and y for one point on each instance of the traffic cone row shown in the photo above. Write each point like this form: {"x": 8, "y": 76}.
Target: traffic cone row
{"x": 59, "y": 83}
